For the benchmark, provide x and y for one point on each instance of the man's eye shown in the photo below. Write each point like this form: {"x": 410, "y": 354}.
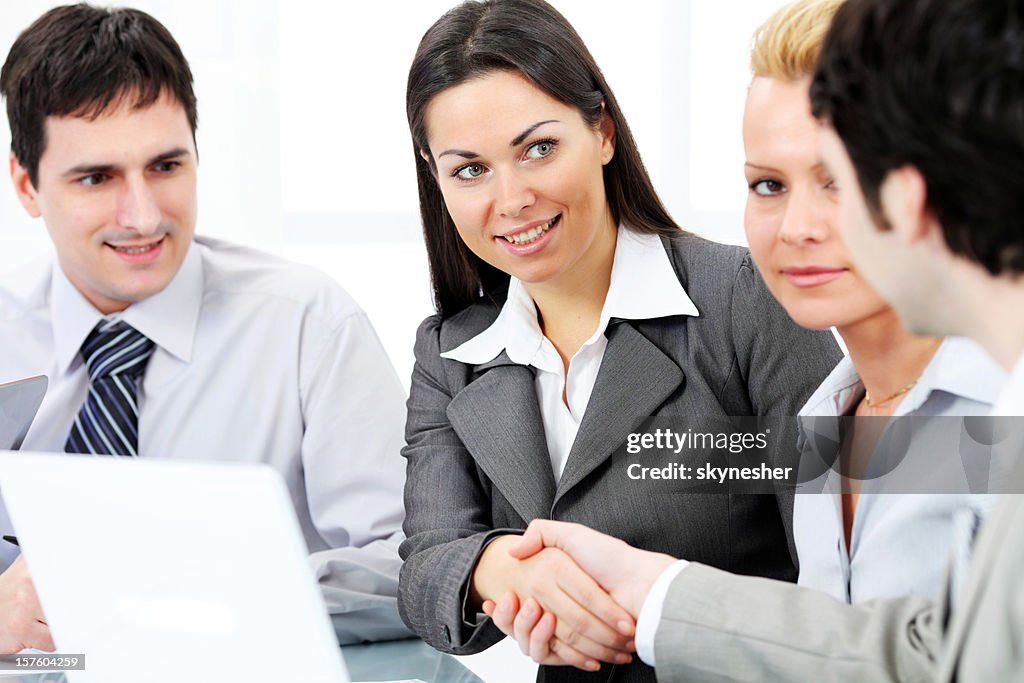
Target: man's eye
{"x": 92, "y": 180}
{"x": 470, "y": 171}
{"x": 166, "y": 166}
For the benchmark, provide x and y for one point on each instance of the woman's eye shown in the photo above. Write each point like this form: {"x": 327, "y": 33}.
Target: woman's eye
{"x": 470, "y": 171}
{"x": 767, "y": 187}
{"x": 540, "y": 149}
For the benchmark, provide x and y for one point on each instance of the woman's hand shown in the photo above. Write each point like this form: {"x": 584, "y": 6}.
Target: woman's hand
{"x": 587, "y": 625}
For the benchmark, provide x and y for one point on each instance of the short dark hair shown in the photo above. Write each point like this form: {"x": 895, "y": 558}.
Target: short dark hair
{"x": 533, "y": 39}
{"x": 937, "y": 85}
{"x": 80, "y": 60}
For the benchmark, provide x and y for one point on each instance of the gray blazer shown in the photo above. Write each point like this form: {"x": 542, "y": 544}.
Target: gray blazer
{"x": 477, "y": 460}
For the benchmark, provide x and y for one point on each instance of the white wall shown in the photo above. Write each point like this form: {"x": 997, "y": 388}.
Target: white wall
{"x": 305, "y": 151}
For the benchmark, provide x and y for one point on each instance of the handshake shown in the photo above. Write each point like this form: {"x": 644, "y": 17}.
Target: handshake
{"x": 569, "y": 595}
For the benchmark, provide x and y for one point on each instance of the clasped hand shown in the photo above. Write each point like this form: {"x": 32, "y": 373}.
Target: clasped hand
{"x": 589, "y": 584}
{"x": 583, "y": 625}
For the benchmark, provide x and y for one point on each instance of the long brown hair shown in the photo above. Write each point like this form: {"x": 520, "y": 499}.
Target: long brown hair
{"x": 532, "y": 38}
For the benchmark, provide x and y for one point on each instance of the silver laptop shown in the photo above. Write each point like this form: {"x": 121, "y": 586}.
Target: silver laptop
{"x": 19, "y": 402}
{"x": 165, "y": 571}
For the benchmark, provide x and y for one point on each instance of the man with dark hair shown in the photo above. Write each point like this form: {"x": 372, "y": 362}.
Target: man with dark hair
{"x": 928, "y": 97}
{"x": 923, "y": 107}
{"x": 161, "y": 344}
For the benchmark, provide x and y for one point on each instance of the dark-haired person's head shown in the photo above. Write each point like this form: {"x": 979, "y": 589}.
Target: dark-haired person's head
{"x": 515, "y": 73}
{"x": 103, "y": 120}
{"x": 923, "y": 106}
{"x": 80, "y": 60}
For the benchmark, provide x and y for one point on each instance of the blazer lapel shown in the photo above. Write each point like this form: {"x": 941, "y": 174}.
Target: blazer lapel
{"x": 635, "y": 378}
{"x": 498, "y": 419}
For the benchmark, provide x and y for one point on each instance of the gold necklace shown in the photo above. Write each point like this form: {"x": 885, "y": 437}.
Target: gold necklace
{"x": 875, "y": 404}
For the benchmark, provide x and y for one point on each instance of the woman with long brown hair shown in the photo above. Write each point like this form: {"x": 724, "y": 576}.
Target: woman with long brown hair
{"x": 571, "y": 307}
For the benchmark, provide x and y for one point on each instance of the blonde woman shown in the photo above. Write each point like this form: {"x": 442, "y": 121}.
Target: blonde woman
{"x": 854, "y": 547}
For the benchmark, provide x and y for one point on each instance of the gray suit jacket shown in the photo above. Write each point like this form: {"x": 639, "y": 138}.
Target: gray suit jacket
{"x": 478, "y": 464}
{"x": 985, "y": 641}
{"x": 716, "y": 626}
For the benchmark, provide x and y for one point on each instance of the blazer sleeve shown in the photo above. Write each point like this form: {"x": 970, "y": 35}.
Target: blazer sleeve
{"x": 448, "y": 520}
{"x": 717, "y": 626}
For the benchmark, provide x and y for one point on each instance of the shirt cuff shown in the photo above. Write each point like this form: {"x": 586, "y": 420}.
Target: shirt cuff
{"x": 650, "y": 614}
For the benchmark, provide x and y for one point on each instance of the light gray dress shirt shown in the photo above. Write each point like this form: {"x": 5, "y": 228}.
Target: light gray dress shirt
{"x": 257, "y": 360}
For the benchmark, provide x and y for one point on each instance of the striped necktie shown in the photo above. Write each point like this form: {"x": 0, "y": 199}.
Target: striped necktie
{"x": 116, "y": 356}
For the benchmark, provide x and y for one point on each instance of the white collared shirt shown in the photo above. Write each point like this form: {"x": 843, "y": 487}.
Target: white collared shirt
{"x": 256, "y": 360}
{"x": 900, "y": 543}
{"x": 1011, "y": 400}
{"x": 643, "y": 285}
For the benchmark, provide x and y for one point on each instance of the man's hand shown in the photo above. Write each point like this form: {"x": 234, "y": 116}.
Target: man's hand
{"x": 588, "y": 625}
{"x": 22, "y": 623}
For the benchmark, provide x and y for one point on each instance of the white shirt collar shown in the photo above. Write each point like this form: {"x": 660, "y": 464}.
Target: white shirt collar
{"x": 1011, "y": 400}
{"x": 643, "y": 286}
{"x": 959, "y": 367}
{"x": 168, "y": 318}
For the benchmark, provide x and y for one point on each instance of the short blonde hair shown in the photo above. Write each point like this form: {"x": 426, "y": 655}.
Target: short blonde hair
{"x": 787, "y": 45}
